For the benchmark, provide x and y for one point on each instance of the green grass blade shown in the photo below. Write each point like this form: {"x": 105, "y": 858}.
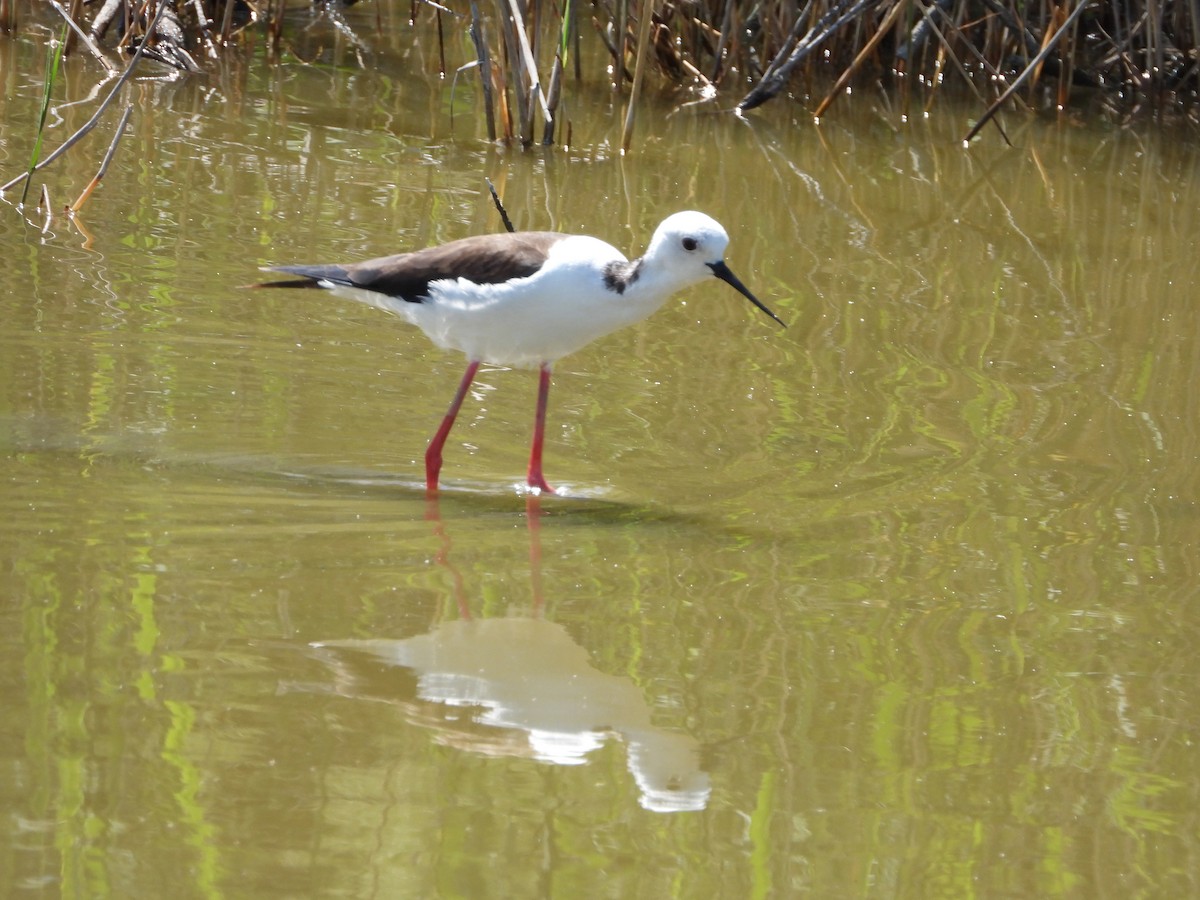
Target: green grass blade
{"x": 54, "y": 55}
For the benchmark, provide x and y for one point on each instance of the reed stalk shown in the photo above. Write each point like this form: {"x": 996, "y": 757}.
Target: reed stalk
{"x": 227, "y": 23}
{"x": 1130, "y": 53}
{"x": 47, "y": 209}
{"x": 508, "y": 225}
{"x": 108, "y": 158}
{"x": 484, "y": 58}
{"x": 90, "y": 123}
{"x": 78, "y": 32}
{"x": 554, "y": 92}
{"x": 526, "y": 74}
{"x": 866, "y": 51}
{"x": 1033, "y": 66}
{"x": 639, "y": 70}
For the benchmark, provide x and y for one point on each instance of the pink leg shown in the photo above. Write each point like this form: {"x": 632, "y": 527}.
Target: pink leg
{"x": 536, "y": 478}
{"x": 433, "y": 456}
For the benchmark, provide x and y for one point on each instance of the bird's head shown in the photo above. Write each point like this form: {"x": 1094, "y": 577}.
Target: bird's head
{"x": 690, "y": 246}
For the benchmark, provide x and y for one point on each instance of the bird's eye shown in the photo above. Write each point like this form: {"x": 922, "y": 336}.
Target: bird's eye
{"x": 690, "y": 244}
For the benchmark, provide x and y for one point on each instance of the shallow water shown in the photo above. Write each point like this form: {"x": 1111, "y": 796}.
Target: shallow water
{"x": 898, "y": 602}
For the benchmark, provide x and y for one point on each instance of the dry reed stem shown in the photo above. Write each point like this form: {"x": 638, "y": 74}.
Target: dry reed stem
{"x": 73, "y": 16}
{"x": 108, "y": 158}
{"x": 485, "y": 68}
{"x": 554, "y": 94}
{"x": 1034, "y": 64}
{"x": 946, "y": 52}
{"x": 78, "y": 32}
{"x": 529, "y": 67}
{"x": 46, "y": 208}
{"x": 723, "y": 34}
{"x": 91, "y": 123}
{"x": 205, "y": 28}
{"x": 437, "y": 13}
{"x": 639, "y": 70}
{"x": 777, "y": 76}
{"x": 1138, "y": 51}
{"x": 226, "y": 23}
{"x": 870, "y": 45}
{"x": 508, "y": 225}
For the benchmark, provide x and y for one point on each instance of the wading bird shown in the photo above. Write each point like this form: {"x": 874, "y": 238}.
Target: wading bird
{"x": 526, "y": 299}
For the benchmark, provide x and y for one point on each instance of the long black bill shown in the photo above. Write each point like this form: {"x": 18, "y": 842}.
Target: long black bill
{"x": 722, "y": 271}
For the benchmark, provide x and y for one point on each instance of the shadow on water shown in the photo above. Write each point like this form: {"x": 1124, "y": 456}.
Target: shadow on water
{"x": 195, "y": 472}
{"x": 296, "y": 493}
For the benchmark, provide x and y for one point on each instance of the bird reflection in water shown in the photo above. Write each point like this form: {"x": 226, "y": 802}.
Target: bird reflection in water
{"x": 530, "y": 688}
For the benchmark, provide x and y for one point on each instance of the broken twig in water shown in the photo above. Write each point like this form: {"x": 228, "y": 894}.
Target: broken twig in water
{"x": 108, "y": 157}
{"x": 46, "y": 208}
{"x": 500, "y": 206}
{"x": 108, "y": 64}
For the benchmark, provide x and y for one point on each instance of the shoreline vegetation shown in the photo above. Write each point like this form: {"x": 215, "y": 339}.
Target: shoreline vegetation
{"x": 1126, "y": 58}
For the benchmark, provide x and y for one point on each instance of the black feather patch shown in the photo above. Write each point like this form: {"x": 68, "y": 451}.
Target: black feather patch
{"x": 620, "y": 275}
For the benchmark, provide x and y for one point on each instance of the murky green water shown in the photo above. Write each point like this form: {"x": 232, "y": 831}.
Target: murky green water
{"x": 898, "y": 602}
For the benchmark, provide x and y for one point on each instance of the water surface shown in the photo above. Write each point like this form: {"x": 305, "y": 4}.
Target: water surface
{"x": 898, "y": 602}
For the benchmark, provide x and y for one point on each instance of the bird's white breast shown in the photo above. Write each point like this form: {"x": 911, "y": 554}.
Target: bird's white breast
{"x": 529, "y": 321}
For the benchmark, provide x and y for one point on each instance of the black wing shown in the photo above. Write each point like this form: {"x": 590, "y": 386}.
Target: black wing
{"x": 484, "y": 259}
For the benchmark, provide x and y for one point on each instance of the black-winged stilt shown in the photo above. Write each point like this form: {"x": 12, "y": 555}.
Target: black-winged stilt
{"x": 527, "y": 299}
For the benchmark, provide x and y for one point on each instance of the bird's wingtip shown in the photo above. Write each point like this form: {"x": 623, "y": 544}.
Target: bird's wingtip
{"x": 283, "y": 282}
